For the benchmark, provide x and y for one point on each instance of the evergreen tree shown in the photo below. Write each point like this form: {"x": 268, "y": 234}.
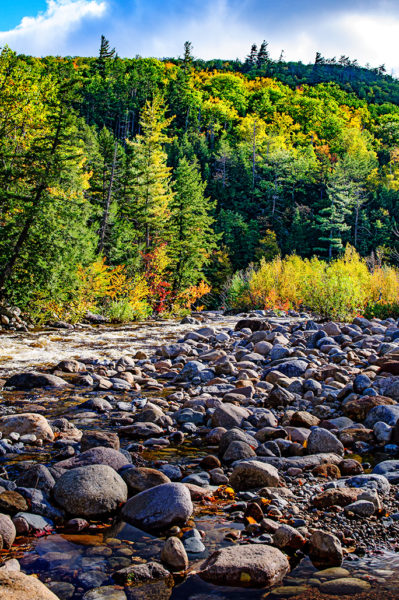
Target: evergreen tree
{"x": 188, "y": 56}
{"x": 332, "y": 219}
{"x": 106, "y": 54}
{"x": 251, "y": 59}
{"x": 149, "y": 193}
{"x": 263, "y": 55}
{"x": 192, "y": 236}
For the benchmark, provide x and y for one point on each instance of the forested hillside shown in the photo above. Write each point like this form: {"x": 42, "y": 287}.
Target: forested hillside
{"x": 145, "y": 181}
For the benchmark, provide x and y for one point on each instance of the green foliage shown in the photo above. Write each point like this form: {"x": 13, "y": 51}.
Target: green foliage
{"x": 212, "y": 166}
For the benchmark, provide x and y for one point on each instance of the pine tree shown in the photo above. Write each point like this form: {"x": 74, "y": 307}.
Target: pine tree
{"x": 332, "y": 219}
{"x": 263, "y": 55}
{"x": 188, "y": 56}
{"x": 149, "y": 192}
{"x": 106, "y": 54}
{"x": 192, "y": 236}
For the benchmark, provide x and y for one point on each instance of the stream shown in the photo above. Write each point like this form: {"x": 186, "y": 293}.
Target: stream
{"x": 72, "y": 564}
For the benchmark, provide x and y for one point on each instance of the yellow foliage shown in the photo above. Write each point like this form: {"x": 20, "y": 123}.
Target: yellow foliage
{"x": 340, "y": 289}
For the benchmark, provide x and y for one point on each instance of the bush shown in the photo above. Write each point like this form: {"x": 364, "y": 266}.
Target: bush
{"x": 339, "y": 289}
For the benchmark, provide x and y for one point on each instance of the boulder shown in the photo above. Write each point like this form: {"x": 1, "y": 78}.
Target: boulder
{"x": 325, "y": 549}
{"x": 251, "y": 474}
{"x": 96, "y": 456}
{"x": 386, "y": 414}
{"x": 359, "y": 408}
{"x": 27, "y": 423}
{"x": 32, "y": 379}
{"x": 335, "y": 497}
{"x": 249, "y": 565}
{"x": 139, "y": 479}
{"x": 322, "y": 440}
{"x": 388, "y": 468}
{"x": 159, "y": 507}
{"x": 90, "y": 491}
{"x": 292, "y": 368}
{"x": 17, "y": 586}
{"x": 229, "y": 416}
{"x": 105, "y": 439}
{"x": 174, "y": 554}
{"x": 7, "y": 531}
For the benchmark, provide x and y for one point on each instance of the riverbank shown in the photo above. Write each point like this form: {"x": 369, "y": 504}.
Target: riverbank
{"x": 139, "y": 451}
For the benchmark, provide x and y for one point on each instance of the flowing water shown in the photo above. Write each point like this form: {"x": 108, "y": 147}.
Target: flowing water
{"x": 74, "y": 563}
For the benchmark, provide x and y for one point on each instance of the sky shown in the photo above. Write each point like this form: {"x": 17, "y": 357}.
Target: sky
{"x": 367, "y": 30}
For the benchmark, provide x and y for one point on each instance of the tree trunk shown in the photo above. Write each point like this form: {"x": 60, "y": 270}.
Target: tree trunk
{"x": 104, "y": 222}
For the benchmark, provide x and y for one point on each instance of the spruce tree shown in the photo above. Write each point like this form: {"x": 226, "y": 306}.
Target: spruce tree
{"x": 149, "y": 192}
{"x": 192, "y": 237}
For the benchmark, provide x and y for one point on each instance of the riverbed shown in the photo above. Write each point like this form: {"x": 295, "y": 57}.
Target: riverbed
{"x": 72, "y": 564}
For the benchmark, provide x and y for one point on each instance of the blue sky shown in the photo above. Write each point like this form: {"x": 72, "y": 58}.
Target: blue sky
{"x": 364, "y": 29}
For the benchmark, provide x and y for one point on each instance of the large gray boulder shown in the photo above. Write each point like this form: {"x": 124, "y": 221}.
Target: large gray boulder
{"x": 249, "y": 565}
{"x": 159, "y": 507}
{"x": 90, "y": 491}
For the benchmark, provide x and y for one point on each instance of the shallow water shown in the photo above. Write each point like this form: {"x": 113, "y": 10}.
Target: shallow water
{"x": 75, "y": 563}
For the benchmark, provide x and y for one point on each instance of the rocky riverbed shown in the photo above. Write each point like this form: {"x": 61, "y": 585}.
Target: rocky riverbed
{"x": 253, "y": 457}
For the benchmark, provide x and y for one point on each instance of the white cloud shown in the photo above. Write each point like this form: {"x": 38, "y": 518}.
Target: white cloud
{"x": 370, "y": 38}
{"x": 48, "y": 32}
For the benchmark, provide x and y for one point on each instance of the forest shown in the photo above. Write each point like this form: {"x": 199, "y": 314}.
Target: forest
{"x": 137, "y": 186}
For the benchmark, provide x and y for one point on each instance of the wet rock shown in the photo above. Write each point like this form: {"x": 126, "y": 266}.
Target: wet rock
{"x": 139, "y": 479}
{"x": 325, "y": 549}
{"x": 137, "y": 574}
{"x": 62, "y": 589}
{"x": 27, "y": 423}
{"x": 106, "y": 592}
{"x": 345, "y": 585}
{"x": 15, "y": 586}
{"x": 174, "y": 554}
{"x": 192, "y": 542}
{"x": 7, "y": 531}
{"x": 32, "y": 379}
{"x": 245, "y": 566}
{"x": 322, "y": 440}
{"x": 247, "y": 475}
{"x": 90, "y": 491}
{"x": 159, "y": 507}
